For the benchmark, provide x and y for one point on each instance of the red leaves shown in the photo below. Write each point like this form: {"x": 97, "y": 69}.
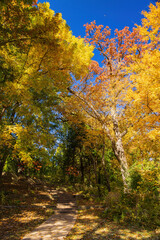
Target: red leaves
{"x": 72, "y": 171}
{"x": 37, "y": 165}
{"x": 94, "y": 67}
{"x": 94, "y": 33}
{"x": 35, "y": 2}
{"x": 117, "y": 48}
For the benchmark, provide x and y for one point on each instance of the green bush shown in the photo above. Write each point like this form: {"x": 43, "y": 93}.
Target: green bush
{"x": 145, "y": 177}
{"x": 138, "y": 209}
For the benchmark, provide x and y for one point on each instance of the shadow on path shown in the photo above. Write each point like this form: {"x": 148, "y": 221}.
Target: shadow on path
{"x": 58, "y": 225}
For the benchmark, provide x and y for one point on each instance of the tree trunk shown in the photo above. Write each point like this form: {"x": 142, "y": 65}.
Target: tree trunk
{"x": 104, "y": 168}
{"x": 120, "y": 155}
{"x": 96, "y": 176}
{"x": 99, "y": 182}
{"x": 82, "y": 169}
{"x": 119, "y": 152}
{"x": 2, "y": 163}
{"x": 95, "y": 170}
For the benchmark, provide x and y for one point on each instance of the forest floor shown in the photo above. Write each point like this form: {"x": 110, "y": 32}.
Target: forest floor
{"x": 26, "y": 203}
{"x": 90, "y": 226}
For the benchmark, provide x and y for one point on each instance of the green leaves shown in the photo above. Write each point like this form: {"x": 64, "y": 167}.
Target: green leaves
{"x": 38, "y": 57}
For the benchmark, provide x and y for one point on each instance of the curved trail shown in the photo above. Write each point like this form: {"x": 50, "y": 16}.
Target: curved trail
{"x": 59, "y": 225}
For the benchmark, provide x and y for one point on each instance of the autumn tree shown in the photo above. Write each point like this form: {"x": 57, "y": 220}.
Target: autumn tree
{"x": 102, "y": 92}
{"x": 38, "y": 58}
{"x": 145, "y": 92}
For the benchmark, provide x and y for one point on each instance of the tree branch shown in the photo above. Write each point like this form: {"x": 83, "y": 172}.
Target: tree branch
{"x": 96, "y": 114}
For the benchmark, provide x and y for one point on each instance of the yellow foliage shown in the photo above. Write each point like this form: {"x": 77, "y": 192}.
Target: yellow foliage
{"x": 39, "y": 57}
{"x": 144, "y": 95}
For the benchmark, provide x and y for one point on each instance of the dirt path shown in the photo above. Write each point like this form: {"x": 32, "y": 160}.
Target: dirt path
{"x": 59, "y": 225}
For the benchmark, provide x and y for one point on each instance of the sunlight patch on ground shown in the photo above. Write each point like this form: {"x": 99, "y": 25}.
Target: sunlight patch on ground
{"x": 90, "y": 226}
{"x": 102, "y": 231}
{"x": 89, "y": 217}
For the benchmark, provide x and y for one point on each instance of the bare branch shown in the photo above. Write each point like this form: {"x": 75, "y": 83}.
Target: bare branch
{"x": 39, "y": 67}
{"x": 96, "y": 114}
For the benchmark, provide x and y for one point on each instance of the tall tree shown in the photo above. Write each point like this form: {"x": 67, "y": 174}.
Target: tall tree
{"x": 38, "y": 58}
{"x": 102, "y": 92}
{"x": 145, "y": 92}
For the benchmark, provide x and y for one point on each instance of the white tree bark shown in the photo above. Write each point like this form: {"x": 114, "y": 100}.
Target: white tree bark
{"x": 117, "y": 144}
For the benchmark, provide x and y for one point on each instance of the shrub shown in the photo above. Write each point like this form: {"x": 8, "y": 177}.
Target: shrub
{"x": 145, "y": 177}
{"x": 138, "y": 209}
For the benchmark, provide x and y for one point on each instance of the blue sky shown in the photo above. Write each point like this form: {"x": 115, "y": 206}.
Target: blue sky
{"x": 112, "y": 13}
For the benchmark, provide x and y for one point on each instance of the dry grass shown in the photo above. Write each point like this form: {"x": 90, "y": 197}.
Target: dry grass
{"x": 90, "y": 226}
